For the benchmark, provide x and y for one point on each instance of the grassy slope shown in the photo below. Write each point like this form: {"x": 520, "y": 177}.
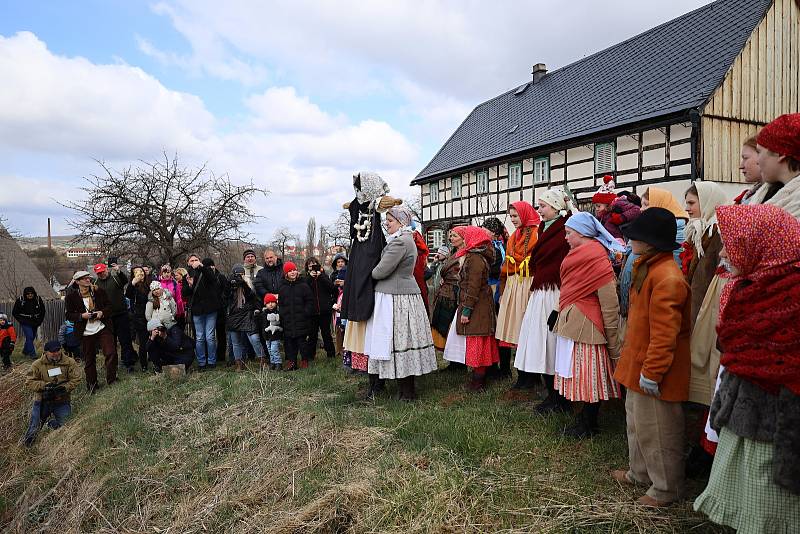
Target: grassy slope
{"x": 298, "y": 452}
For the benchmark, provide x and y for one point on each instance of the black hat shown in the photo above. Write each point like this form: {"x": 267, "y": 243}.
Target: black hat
{"x": 248, "y": 251}
{"x": 208, "y": 262}
{"x": 656, "y": 227}
{"x": 52, "y": 346}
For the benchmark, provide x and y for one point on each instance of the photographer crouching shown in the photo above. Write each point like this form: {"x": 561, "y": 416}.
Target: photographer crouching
{"x": 51, "y": 378}
{"x": 168, "y": 346}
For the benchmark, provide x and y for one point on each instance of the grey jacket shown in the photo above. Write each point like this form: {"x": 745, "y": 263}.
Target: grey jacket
{"x": 395, "y": 271}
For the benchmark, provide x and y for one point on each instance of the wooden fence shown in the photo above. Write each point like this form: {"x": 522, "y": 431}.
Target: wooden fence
{"x": 53, "y": 319}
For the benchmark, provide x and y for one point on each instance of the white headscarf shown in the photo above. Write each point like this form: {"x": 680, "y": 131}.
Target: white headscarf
{"x": 372, "y": 188}
{"x": 559, "y": 199}
{"x": 710, "y": 195}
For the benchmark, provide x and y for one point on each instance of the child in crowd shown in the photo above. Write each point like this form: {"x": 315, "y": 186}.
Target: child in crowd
{"x": 297, "y": 306}
{"x": 8, "y": 338}
{"x": 655, "y": 361}
{"x": 70, "y": 343}
{"x": 273, "y": 333}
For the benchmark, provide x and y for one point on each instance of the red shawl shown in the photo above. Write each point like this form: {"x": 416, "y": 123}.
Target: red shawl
{"x": 473, "y": 237}
{"x": 547, "y": 255}
{"x": 419, "y": 266}
{"x": 585, "y": 270}
{"x": 520, "y": 244}
{"x": 527, "y": 215}
{"x": 759, "y": 326}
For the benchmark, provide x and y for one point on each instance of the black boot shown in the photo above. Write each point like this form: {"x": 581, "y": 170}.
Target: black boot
{"x": 505, "y": 362}
{"x": 586, "y": 423}
{"x": 376, "y": 385}
{"x": 453, "y": 367}
{"x": 554, "y": 403}
{"x": 407, "y": 392}
{"x": 524, "y": 380}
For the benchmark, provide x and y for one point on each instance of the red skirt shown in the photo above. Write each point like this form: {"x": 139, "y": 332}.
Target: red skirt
{"x": 481, "y": 351}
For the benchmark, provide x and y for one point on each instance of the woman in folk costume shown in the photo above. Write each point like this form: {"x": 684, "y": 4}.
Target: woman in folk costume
{"x": 444, "y": 298}
{"x": 398, "y": 336}
{"x": 754, "y": 485}
{"x": 471, "y": 338}
{"x": 759, "y": 192}
{"x": 358, "y": 297}
{"x": 515, "y": 279}
{"x": 779, "y": 160}
{"x": 588, "y": 316}
{"x": 700, "y": 256}
{"x": 536, "y": 352}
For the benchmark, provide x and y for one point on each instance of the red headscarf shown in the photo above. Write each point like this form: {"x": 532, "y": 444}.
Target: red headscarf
{"x": 473, "y": 237}
{"x": 527, "y": 216}
{"x": 782, "y": 135}
{"x": 759, "y": 326}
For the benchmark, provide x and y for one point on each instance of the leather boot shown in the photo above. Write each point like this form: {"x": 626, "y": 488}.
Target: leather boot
{"x": 406, "y": 387}
{"x": 239, "y": 366}
{"x": 373, "y": 388}
{"x": 523, "y": 381}
{"x": 505, "y": 362}
{"x": 478, "y": 382}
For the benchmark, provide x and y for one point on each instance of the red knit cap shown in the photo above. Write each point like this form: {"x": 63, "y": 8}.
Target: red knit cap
{"x": 288, "y": 267}
{"x": 606, "y": 194}
{"x": 782, "y": 136}
{"x": 269, "y": 297}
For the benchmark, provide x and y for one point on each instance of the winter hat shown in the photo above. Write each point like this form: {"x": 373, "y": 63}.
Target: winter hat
{"x": 288, "y": 267}
{"x": 3, "y": 317}
{"x": 208, "y": 262}
{"x": 656, "y": 227}
{"x": 782, "y": 136}
{"x": 155, "y": 285}
{"x": 52, "y": 346}
{"x": 444, "y": 250}
{"x": 238, "y": 269}
{"x": 606, "y": 194}
{"x": 154, "y": 323}
{"x": 246, "y": 252}
{"x": 80, "y": 274}
{"x": 100, "y": 267}
{"x": 269, "y": 297}
{"x": 339, "y": 256}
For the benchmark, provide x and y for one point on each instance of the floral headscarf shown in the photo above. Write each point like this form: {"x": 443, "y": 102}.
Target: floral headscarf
{"x": 710, "y": 196}
{"x": 473, "y": 236}
{"x": 757, "y": 250}
{"x": 372, "y": 188}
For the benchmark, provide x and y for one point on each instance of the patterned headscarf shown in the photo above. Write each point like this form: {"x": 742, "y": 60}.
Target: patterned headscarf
{"x": 372, "y": 188}
{"x": 710, "y": 196}
{"x": 494, "y": 225}
{"x": 473, "y": 236}
{"x": 403, "y": 214}
{"x": 761, "y": 240}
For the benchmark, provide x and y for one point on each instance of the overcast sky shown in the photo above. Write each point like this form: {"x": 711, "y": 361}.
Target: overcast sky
{"x": 294, "y": 95}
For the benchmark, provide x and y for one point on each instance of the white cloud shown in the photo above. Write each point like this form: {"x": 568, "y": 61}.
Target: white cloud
{"x": 70, "y": 109}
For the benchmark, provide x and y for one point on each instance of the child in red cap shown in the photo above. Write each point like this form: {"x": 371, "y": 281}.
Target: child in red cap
{"x": 297, "y": 306}
{"x": 273, "y": 333}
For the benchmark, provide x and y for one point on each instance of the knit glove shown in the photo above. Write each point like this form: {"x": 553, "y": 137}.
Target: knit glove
{"x": 648, "y": 386}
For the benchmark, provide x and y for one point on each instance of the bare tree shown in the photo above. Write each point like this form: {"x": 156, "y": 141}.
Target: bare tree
{"x": 311, "y": 236}
{"x": 281, "y": 239}
{"x": 162, "y": 211}
{"x": 415, "y": 205}
{"x": 338, "y": 232}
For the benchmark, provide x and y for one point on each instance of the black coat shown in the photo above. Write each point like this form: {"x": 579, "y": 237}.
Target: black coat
{"x": 324, "y": 291}
{"x": 241, "y": 319}
{"x": 297, "y": 306}
{"x": 358, "y": 300}
{"x": 138, "y": 300}
{"x": 205, "y": 295}
{"x": 29, "y": 312}
{"x": 269, "y": 280}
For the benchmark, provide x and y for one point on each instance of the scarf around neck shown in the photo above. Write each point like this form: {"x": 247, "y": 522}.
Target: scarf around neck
{"x": 788, "y": 197}
{"x": 585, "y": 270}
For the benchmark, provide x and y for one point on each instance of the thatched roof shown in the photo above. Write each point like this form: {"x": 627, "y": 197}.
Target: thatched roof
{"x": 18, "y": 271}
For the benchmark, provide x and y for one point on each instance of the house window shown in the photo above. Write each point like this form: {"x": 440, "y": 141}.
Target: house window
{"x": 434, "y": 192}
{"x": 541, "y": 170}
{"x": 514, "y": 175}
{"x": 483, "y": 182}
{"x": 455, "y": 187}
{"x": 436, "y": 238}
{"x": 605, "y": 158}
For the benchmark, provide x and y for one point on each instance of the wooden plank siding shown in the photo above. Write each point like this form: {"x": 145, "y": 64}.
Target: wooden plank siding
{"x": 761, "y": 84}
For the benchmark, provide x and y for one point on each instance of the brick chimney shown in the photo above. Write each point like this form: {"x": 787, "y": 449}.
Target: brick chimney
{"x": 49, "y": 235}
{"x": 539, "y": 70}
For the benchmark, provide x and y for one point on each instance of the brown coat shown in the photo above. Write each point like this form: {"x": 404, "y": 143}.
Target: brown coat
{"x": 475, "y": 294}
{"x": 702, "y": 270}
{"x": 74, "y": 307}
{"x": 574, "y": 325}
{"x": 657, "y": 339}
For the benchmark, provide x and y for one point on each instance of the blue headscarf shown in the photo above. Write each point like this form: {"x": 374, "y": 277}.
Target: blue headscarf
{"x": 587, "y": 225}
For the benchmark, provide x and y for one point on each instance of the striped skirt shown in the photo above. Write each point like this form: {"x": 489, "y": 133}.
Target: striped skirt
{"x": 592, "y": 375}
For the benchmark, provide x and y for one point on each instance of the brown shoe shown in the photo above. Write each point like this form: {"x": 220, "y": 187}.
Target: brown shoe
{"x": 621, "y": 476}
{"x": 239, "y": 366}
{"x": 647, "y": 500}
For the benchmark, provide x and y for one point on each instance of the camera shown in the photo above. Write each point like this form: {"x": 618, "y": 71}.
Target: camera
{"x": 235, "y": 280}
{"x": 112, "y": 260}
{"x": 92, "y": 315}
{"x": 316, "y": 268}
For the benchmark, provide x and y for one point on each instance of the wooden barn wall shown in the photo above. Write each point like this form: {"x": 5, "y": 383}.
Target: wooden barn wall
{"x": 762, "y": 83}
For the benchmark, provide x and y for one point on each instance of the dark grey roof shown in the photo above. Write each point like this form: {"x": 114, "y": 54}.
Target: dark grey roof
{"x": 17, "y": 271}
{"x": 671, "y": 68}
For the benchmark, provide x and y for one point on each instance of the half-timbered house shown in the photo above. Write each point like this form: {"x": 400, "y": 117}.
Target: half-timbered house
{"x": 666, "y": 107}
